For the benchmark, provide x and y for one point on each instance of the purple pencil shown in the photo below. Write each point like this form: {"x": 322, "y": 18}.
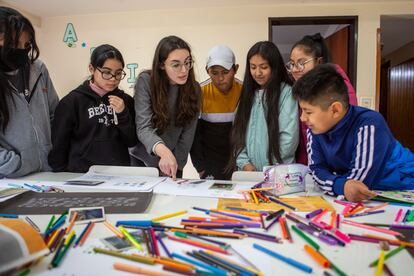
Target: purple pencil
{"x": 313, "y": 214}
{"x": 338, "y": 221}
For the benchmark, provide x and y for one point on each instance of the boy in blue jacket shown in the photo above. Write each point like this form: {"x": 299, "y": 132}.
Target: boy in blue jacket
{"x": 351, "y": 150}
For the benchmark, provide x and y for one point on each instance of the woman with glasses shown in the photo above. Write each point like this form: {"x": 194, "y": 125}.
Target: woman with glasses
{"x": 94, "y": 124}
{"x": 167, "y": 107}
{"x": 307, "y": 53}
{"x": 27, "y": 99}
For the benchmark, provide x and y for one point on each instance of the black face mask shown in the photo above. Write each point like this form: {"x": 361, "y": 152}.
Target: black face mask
{"x": 15, "y": 59}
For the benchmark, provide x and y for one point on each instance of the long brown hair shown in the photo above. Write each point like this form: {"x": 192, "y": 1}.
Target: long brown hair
{"x": 187, "y": 97}
{"x": 268, "y": 51}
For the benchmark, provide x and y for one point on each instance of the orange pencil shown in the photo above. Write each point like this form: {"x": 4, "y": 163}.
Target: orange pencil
{"x": 172, "y": 264}
{"x": 72, "y": 221}
{"x": 408, "y": 244}
{"x": 113, "y": 229}
{"x": 317, "y": 256}
{"x": 137, "y": 270}
{"x": 199, "y": 244}
{"x": 376, "y": 207}
{"x": 285, "y": 231}
{"x": 333, "y": 219}
{"x": 86, "y": 234}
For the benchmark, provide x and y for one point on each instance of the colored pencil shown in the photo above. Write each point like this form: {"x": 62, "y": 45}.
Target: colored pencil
{"x": 360, "y": 225}
{"x": 200, "y": 264}
{"x": 282, "y": 203}
{"x": 113, "y": 229}
{"x": 83, "y": 233}
{"x": 305, "y": 237}
{"x": 199, "y": 244}
{"x": 72, "y": 221}
{"x": 154, "y": 241}
{"x": 31, "y": 222}
{"x": 316, "y": 256}
{"x": 169, "y": 215}
{"x": 137, "y": 270}
{"x": 52, "y": 219}
{"x": 85, "y": 236}
{"x": 158, "y": 237}
{"x": 398, "y": 216}
{"x": 135, "y": 258}
{"x": 287, "y": 260}
{"x": 313, "y": 213}
{"x": 376, "y": 207}
{"x": 380, "y": 264}
{"x": 130, "y": 238}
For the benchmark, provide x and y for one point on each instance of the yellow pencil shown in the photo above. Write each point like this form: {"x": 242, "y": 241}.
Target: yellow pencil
{"x": 69, "y": 237}
{"x": 130, "y": 238}
{"x": 55, "y": 233}
{"x": 169, "y": 215}
{"x": 254, "y": 197}
{"x": 380, "y": 264}
{"x": 257, "y": 189}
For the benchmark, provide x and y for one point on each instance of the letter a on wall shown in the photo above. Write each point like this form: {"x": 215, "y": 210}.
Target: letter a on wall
{"x": 70, "y": 35}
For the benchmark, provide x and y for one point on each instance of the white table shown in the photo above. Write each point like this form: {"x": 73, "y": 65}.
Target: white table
{"x": 353, "y": 259}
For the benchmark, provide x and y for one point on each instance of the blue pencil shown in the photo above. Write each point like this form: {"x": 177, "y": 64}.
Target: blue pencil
{"x": 287, "y": 260}
{"x": 200, "y": 264}
{"x": 8, "y": 216}
{"x": 81, "y": 235}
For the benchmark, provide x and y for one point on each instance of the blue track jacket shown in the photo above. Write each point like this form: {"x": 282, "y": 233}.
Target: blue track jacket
{"x": 360, "y": 147}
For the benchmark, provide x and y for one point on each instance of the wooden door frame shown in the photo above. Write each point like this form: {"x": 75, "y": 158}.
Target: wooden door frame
{"x": 326, "y": 20}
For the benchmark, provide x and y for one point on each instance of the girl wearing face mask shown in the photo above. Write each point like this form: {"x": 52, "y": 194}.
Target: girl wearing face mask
{"x": 307, "y": 53}
{"x": 94, "y": 124}
{"x": 167, "y": 107}
{"x": 27, "y": 99}
{"x": 266, "y": 129}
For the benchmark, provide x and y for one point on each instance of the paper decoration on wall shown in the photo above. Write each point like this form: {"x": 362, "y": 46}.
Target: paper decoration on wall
{"x": 132, "y": 67}
{"x": 70, "y": 36}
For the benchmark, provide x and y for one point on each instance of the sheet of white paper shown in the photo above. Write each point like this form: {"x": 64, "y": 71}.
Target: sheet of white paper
{"x": 130, "y": 183}
{"x": 204, "y": 188}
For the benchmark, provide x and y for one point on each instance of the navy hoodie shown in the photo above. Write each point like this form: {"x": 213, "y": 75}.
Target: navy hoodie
{"x": 84, "y": 132}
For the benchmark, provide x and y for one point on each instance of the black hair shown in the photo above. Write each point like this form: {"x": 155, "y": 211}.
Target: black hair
{"x": 321, "y": 86}
{"x": 268, "y": 51}
{"x": 103, "y": 52}
{"x": 12, "y": 25}
{"x": 314, "y": 45}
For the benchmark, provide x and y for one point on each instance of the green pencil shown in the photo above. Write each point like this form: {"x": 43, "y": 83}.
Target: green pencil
{"x": 388, "y": 255}
{"x": 52, "y": 219}
{"x": 306, "y": 238}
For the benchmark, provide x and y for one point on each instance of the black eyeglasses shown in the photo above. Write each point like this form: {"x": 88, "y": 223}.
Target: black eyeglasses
{"x": 107, "y": 75}
{"x": 300, "y": 65}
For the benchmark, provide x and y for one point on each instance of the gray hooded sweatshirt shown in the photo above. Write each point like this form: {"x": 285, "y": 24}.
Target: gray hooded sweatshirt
{"x": 26, "y": 141}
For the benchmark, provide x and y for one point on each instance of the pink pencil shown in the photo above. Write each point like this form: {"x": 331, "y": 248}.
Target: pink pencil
{"x": 398, "y": 216}
{"x": 360, "y": 225}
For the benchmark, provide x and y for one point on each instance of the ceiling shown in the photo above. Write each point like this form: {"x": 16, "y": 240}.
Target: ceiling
{"x": 50, "y": 8}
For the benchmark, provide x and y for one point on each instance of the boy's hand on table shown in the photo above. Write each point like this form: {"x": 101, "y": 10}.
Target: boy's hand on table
{"x": 355, "y": 191}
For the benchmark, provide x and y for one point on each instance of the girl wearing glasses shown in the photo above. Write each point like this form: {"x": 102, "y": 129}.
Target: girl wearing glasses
{"x": 167, "y": 107}
{"x": 27, "y": 99}
{"x": 307, "y": 53}
{"x": 94, "y": 124}
{"x": 266, "y": 129}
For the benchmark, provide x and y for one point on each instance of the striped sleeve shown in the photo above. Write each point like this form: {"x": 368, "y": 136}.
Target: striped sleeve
{"x": 369, "y": 155}
{"x": 318, "y": 166}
